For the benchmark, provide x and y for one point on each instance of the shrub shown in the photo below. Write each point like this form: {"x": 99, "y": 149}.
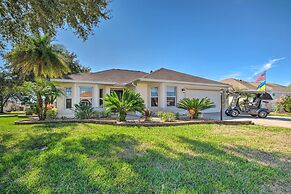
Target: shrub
{"x": 177, "y": 115}
{"x": 104, "y": 114}
{"x": 284, "y": 104}
{"x": 52, "y": 113}
{"x": 147, "y": 114}
{"x": 195, "y": 105}
{"x": 166, "y": 116}
{"x": 29, "y": 111}
{"x": 95, "y": 115}
{"x": 84, "y": 111}
{"x": 130, "y": 101}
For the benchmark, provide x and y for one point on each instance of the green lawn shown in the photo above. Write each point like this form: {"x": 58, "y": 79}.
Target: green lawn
{"x": 86, "y": 158}
{"x": 280, "y": 114}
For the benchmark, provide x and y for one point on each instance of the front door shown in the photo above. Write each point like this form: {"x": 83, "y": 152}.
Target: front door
{"x": 119, "y": 92}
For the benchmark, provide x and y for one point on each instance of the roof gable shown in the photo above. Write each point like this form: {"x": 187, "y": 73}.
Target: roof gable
{"x": 167, "y": 74}
{"x": 117, "y": 76}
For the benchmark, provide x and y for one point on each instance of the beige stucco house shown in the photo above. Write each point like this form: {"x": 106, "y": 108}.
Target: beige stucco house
{"x": 160, "y": 89}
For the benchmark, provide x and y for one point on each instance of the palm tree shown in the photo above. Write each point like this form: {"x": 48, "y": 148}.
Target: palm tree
{"x": 38, "y": 57}
{"x": 130, "y": 101}
{"x": 195, "y": 105}
{"x": 42, "y": 92}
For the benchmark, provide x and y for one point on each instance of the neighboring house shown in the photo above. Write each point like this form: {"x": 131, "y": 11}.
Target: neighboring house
{"x": 13, "y": 105}
{"x": 160, "y": 89}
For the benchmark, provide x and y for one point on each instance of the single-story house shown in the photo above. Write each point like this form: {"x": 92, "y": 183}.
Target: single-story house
{"x": 160, "y": 89}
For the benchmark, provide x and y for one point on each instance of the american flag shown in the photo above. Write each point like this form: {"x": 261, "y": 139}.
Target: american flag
{"x": 261, "y": 77}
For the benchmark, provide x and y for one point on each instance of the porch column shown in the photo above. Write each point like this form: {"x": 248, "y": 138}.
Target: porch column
{"x": 76, "y": 94}
{"x": 95, "y": 96}
{"x": 162, "y": 96}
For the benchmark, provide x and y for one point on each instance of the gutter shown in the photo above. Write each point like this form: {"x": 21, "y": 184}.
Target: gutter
{"x": 181, "y": 82}
{"x": 87, "y": 82}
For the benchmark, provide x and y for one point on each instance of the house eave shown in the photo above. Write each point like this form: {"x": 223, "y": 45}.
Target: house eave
{"x": 85, "y": 82}
{"x": 182, "y": 82}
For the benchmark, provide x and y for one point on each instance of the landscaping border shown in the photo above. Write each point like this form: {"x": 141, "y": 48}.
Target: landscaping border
{"x": 134, "y": 123}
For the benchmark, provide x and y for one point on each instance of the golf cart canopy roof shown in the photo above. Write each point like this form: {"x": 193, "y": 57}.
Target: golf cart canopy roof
{"x": 264, "y": 95}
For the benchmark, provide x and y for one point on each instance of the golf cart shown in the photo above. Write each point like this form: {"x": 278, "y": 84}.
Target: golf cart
{"x": 253, "y": 107}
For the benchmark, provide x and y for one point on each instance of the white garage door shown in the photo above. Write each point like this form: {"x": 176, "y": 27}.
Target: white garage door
{"x": 213, "y": 95}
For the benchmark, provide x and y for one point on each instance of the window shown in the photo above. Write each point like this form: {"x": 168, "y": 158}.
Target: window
{"x": 68, "y": 95}
{"x": 86, "y": 95}
{"x": 171, "y": 96}
{"x": 154, "y": 96}
{"x": 100, "y": 97}
{"x": 68, "y": 103}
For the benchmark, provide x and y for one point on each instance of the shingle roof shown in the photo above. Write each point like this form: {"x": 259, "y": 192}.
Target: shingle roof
{"x": 119, "y": 76}
{"x": 240, "y": 84}
{"x": 167, "y": 74}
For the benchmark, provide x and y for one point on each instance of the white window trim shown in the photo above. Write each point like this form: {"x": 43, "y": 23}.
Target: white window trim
{"x": 175, "y": 96}
{"x": 68, "y": 97}
{"x": 86, "y": 98}
{"x": 154, "y": 96}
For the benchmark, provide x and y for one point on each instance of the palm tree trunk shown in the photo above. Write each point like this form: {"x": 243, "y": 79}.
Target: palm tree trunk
{"x": 191, "y": 113}
{"x": 122, "y": 116}
{"x": 39, "y": 107}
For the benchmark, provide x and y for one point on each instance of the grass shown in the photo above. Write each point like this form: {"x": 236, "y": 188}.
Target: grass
{"x": 86, "y": 158}
{"x": 280, "y": 114}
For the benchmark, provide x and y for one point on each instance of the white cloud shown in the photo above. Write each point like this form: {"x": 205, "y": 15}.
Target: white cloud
{"x": 268, "y": 65}
{"x": 231, "y": 75}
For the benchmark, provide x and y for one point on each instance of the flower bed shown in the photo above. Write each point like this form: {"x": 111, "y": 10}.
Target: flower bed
{"x": 134, "y": 123}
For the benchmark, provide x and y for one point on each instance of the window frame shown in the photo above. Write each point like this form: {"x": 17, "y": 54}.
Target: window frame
{"x": 89, "y": 99}
{"x": 68, "y": 97}
{"x": 151, "y": 96}
{"x": 175, "y": 96}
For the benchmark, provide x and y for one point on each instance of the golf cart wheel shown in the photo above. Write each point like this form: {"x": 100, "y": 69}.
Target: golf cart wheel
{"x": 227, "y": 113}
{"x": 234, "y": 113}
{"x": 263, "y": 114}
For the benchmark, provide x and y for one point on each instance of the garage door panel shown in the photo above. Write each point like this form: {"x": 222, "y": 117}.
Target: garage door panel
{"x": 213, "y": 95}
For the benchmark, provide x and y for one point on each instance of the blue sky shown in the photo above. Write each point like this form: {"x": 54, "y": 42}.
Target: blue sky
{"x": 209, "y": 38}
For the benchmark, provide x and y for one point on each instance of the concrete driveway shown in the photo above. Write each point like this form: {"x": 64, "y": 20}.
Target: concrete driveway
{"x": 274, "y": 121}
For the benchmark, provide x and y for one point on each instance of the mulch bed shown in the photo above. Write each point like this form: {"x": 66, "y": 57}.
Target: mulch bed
{"x": 134, "y": 123}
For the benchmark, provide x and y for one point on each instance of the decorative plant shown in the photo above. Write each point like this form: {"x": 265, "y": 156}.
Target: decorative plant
{"x": 41, "y": 93}
{"x": 177, "y": 115}
{"x": 84, "y": 111}
{"x": 284, "y": 104}
{"x": 52, "y": 113}
{"x": 166, "y": 116}
{"x": 195, "y": 105}
{"x": 130, "y": 102}
{"x": 147, "y": 114}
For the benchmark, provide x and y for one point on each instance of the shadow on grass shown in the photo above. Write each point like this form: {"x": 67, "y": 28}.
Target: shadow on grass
{"x": 121, "y": 163}
{"x": 52, "y": 126}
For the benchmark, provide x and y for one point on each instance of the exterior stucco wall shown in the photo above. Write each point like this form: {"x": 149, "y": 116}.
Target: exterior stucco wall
{"x": 143, "y": 88}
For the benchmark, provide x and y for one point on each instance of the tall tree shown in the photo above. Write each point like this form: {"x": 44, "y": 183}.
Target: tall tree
{"x": 8, "y": 87}
{"x": 38, "y": 57}
{"x": 72, "y": 61}
{"x": 21, "y": 19}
